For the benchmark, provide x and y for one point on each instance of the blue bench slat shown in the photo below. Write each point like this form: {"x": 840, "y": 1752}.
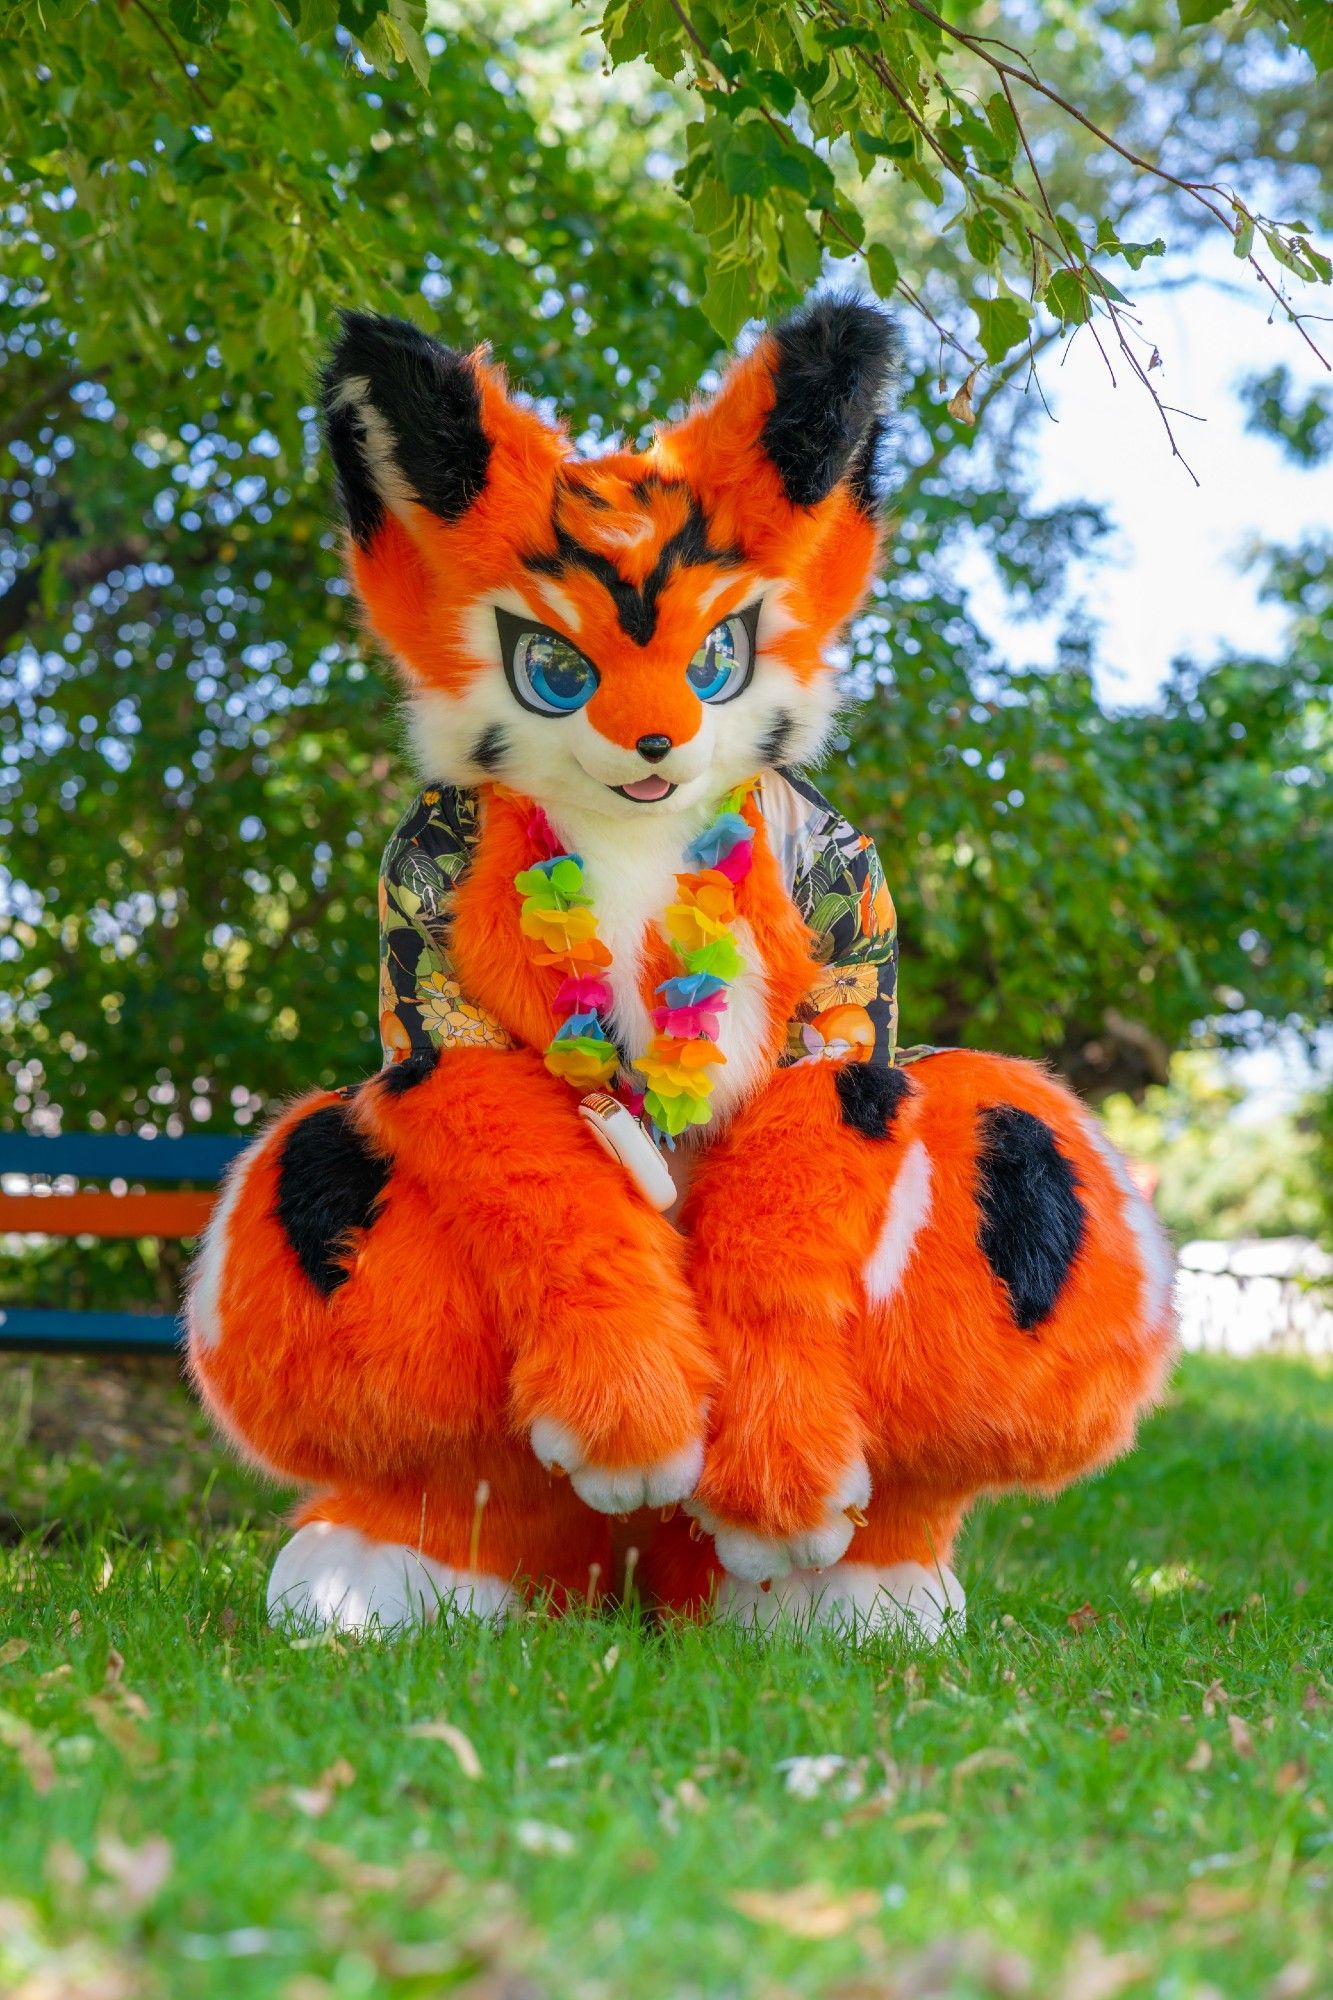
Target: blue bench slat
{"x": 107, "y": 1156}
{"x": 36, "y": 1327}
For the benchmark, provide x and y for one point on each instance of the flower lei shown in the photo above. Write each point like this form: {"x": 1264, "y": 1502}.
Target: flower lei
{"x": 560, "y": 926}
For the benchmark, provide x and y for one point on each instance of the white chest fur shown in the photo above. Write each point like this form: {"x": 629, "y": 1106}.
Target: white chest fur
{"x": 631, "y": 868}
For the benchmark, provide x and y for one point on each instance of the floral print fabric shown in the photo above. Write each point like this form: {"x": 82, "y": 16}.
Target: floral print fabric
{"x": 830, "y": 870}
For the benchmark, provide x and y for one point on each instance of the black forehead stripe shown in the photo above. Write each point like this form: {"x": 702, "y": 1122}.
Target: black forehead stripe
{"x": 636, "y": 605}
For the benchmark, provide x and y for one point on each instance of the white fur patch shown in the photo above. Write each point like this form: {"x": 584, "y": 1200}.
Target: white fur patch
{"x": 379, "y": 446}
{"x": 855, "y": 1600}
{"x": 329, "y": 1575}
{"x": 909, "y": 1211}
{"x": 205, "y": 1301}
{"x": 1157, "y": 1262}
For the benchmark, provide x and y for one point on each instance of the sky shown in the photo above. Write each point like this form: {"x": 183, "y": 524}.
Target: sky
{"x": 1174, "y": 581}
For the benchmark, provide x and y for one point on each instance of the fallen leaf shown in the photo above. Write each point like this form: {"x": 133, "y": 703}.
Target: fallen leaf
{"x": 1290, "y": 1775}
{"x": 11, "y": 1650}
{"x": 1094, "y": 1974}
{"x": 115, "y": 1668}
{"x": 811, "y": 1910}
{"x": 1241, "y": 1740}
{"x": 1200, "y": 1757}
{"x": 1118, "y": 1733}
{"x": 315, "y": 1800}
{"x": 1215, "y": 1696}
{"x": 30, "y": 1749}
{"x": 690, "y": 1796}
{"x": 138, "y": 1872}
{"x": 1212, "y": 1899}
{"x": 980, "y": 1760}
{"x": 919, "y": 1822}
{"x": 1083, "y": 1619}
{"x": 1295, "y": 1979}
{"x": 354, "y": 1873}
{"x": 445, "y": 1732}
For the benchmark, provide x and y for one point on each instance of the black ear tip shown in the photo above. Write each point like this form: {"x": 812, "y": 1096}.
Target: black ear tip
{"x": 834, "y": 369}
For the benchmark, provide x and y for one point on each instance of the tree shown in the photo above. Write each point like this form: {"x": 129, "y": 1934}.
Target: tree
{"x": 197, "y": 765}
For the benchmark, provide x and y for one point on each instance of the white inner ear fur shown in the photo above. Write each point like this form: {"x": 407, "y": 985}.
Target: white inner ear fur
{"x": 378, "y": 446}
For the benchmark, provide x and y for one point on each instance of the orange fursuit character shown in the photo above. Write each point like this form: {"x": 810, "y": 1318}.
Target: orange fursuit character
{"x": 467, "y": 1306}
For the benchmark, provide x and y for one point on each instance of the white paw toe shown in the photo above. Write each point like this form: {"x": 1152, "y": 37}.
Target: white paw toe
{"x": 555, "y": 1444}
{"x": 818, "y": 1547}
{"x": 329, "y": 1575}
{"x": 619, "y": 1489}
{"x": 751, "y": 1558}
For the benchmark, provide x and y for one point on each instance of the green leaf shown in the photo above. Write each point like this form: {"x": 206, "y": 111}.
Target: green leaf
{"x": 984, "y": 236}
{"x": 1002, "y": 324}
{"x": 729, "y": 299}
{"x": 1194, "y": 12}
{"x": 1067, "y": 296}
{"x": 1002, "y": 122}
{"x": 883, "y": 268}
{"x": 197, "y": 21}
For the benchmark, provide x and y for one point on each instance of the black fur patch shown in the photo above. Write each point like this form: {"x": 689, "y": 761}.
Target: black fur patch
{"x": 491, "y": 748}
{"x": 329, "y": 1184}
{"x": 774, "y": 746}
{"x": 636, "y": 604}
{"x": 1032, "y": 1221}
{"x": 428, "y": 396}
{"x": 403, "y": 1076}
{"x": 870, "y": 1098}
{"x": 834, "y": 374}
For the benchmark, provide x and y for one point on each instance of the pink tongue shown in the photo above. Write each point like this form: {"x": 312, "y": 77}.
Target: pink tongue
{"x": 647, "y": 788}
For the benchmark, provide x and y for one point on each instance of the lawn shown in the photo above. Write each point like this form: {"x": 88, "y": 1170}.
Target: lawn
{"x": 1120, "y": 1780}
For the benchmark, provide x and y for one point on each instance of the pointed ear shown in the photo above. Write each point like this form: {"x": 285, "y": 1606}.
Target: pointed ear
{"x": 809, "y": 404}
{"x": 412, "y": 424}
{"x": 834, "y": 373}
{"x": 402, "y": 415}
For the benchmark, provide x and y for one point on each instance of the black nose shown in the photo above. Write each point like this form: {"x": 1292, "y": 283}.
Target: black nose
{"x": 654, "y": 748}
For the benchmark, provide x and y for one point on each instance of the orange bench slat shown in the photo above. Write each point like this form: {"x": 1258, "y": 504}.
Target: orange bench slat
{"x": 106, "y": 1215}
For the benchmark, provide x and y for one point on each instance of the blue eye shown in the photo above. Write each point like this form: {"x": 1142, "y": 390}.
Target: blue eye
{"x": 720, "y": 670}
{"x": 549, "y": 674}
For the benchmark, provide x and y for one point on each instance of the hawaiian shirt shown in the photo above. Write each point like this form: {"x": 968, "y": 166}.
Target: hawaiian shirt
{"x": 832, "y": 873}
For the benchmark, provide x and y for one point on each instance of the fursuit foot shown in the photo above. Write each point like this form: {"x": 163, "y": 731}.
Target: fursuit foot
{"x": 856, "y": 1601}
{"x": 329, "y": 1575}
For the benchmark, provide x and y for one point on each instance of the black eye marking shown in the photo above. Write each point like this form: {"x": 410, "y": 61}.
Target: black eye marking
{"x": 491, "y": 748}
{"x": 636, "y": 605}
{"x": 330, "y": 1181}
{"x": 870, "y": 1098}
{"x": 774, "y": 746}
{"x": 1032, "y": 1221}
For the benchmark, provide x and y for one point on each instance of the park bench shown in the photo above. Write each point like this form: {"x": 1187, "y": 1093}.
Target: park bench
{"x": 106, "y": 1212}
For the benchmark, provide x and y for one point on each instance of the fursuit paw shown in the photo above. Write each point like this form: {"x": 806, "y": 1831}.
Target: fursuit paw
{"x": 756, "y": 1558}
{"x": 855, "y": 1600}
{"x": 617, "y": 1489}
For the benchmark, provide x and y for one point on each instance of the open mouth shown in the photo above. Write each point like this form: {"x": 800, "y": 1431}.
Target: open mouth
{"x": 646, "y": 791}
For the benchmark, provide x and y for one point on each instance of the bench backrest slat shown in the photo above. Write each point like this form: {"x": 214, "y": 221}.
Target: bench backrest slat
{"x": 104, "y": 1156}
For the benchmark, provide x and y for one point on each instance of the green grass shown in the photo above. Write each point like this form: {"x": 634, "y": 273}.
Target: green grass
{"x": 1139, "y": 1802}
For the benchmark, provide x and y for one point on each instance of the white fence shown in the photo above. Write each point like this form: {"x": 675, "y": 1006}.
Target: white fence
{"x": 1257, "y": 1296}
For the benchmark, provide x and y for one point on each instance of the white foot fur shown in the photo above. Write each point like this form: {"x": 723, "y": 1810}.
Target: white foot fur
{"x": 760, "y": 1558}
{"x": 618, "y": 1489}
{"x": 327, "y": 1575}
{"x": 853, "y": 1599}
